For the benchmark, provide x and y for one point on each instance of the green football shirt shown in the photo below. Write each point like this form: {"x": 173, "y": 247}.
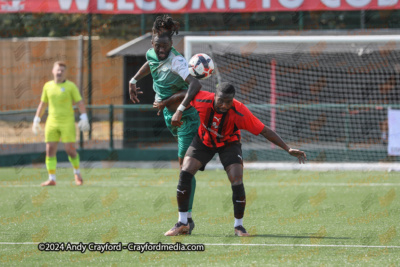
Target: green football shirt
{"x": 169, "y": 74}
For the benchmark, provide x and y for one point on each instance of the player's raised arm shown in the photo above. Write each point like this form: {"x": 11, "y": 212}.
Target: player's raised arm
{"x": 194, "y": 88}
{"x": 273, "y": 137}
{"x": 133, "y": 89}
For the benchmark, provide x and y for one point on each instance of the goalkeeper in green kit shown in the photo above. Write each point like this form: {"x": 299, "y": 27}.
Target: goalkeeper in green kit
{"x": 60, "y": 94}
{"x": 171, "y": 80}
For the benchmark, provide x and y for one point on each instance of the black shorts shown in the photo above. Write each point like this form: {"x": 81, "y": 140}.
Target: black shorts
{"x": 228, "y": 154}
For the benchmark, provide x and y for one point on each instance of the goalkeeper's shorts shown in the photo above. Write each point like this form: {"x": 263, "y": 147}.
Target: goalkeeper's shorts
{"x": 54, "y": 131}
{"x": 187, "y": 131}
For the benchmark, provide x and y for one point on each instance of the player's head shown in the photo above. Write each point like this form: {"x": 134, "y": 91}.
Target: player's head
{"x": 164, "y": 28}
{"x": 224, "y": 97}
{"x": 165, "y": 24}
{"x": 59, "y": 71}
{"x": 162, "y": 45}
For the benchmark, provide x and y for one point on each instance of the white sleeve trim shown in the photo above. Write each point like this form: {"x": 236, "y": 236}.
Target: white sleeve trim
{"x": 180, "y": 66}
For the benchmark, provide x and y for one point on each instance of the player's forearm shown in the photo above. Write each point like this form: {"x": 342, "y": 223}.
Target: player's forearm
{"x": 143, "y": 72}
{"x": 81, "y": 107}
{"x": 273, "y": 137}
{"x": 175, "y": 99}
{"x": 193, "y": 90}
{"x": 40, "y": 110}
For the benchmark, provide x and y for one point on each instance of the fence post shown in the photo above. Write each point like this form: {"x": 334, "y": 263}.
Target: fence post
{"x": 186, "y": 16}
{"x": 80, "y": 140}
{"x": 89, "y": 55}
{"x": 142, "y": 24}
{"x": 347, "y": 130}
{"x": 111, "y": 120}
{"x": 301, "y": 21}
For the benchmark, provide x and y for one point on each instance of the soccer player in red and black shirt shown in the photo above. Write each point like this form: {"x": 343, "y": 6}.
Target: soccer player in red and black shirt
{"x": 221, "y": 118}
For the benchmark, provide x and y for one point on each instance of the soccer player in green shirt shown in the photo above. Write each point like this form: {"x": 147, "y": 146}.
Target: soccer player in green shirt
{"x": 171, "y": 79}
{"x": 60, "y": 94}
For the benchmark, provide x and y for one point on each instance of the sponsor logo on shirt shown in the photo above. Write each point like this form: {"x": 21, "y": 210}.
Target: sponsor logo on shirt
{"x": 212, "y": 131}
{"x": 217, "y": 118}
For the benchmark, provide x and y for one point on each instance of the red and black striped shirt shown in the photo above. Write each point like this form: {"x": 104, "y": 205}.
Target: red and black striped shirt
{"x": 219, "y": 129}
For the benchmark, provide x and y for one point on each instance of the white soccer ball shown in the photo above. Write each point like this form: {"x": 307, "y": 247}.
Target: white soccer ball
{"x": 201, "y": 66}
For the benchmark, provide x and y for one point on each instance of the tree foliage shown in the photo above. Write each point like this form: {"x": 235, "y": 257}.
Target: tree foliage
{"x": 58, "y": 25}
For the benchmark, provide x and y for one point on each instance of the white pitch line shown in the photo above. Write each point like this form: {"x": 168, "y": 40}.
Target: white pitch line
{"x": 350, "y": 184}
{"x": 303, "y": 245}
{"x": 234, "y": 244}
{"x": 280, "y": 184}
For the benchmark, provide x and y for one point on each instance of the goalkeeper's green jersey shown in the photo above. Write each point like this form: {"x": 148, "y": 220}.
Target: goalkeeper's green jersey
{"x": 60, "y": 97}
{"x": 169, "y": 74}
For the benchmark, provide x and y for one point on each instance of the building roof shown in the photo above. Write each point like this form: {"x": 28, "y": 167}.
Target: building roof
{"x": 140, "y": 45}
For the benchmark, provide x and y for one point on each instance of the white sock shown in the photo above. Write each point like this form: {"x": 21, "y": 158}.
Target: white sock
{"x": 76, "y": 171}
{"x": 189, "y": 215}
{"x": 52, "y": 177}
{"x": 183, "y": 217}
{"x": 238, "y": 222}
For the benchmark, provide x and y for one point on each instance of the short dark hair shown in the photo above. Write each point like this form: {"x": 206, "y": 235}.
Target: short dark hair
{"x": 226, "y": 88}
{"x": 165, "y": 25}
{"x": 60, "y": 63}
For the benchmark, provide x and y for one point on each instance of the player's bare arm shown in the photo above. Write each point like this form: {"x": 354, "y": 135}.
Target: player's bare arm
{"x": 133, "y": 89}
{"x": 170, "y": 103}
{"x": 41, "y": 109}
{"x": 81, "y": 107}
{"x": 273, "y": 137}
{"x": 194, "y": 88}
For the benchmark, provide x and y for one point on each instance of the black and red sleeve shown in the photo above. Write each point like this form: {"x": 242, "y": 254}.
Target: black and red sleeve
{"x": 247, "y": 121}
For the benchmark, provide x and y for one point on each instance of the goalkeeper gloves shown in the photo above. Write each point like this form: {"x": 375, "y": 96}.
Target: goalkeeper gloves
{"x": 36, "y": 125}
{"x": 83, "y": 124}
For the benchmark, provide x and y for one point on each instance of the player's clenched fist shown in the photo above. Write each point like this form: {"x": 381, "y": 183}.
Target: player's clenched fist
{"x": 36, "y": 125}
{"x": 176, "y": 119}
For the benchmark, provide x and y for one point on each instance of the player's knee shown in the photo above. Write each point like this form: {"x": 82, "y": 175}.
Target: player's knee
{"x": 187, "y": 168}
{"x": 51, "y": 150}
{"x": 191, "y": 165}
{"x": 70, "y": 151}
{"x": 235, "y": 179}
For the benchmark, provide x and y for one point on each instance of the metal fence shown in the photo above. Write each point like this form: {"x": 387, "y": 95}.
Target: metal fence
{"x": 137, "y": 129}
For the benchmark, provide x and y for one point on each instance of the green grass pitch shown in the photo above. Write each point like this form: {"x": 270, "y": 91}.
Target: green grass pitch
{"x": 294, "y": 217}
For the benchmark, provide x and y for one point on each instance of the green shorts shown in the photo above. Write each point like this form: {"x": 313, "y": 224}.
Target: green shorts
{"x": 54, "y": 131}
{"x": 187, "y": 131}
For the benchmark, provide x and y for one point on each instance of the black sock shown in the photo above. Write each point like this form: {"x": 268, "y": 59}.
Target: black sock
{"x": 239, "y": 200}
{"x": 183, "y": 191}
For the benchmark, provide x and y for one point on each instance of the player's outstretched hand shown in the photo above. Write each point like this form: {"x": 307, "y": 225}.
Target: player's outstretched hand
{"x": 160, "y": 106}
{"x": 83, "y": 123}
{"x": 301, "y": 155}
{"x": 36, "y": 125}
{"x": 176, "y": 119}
{"x": 134, "y": 92}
